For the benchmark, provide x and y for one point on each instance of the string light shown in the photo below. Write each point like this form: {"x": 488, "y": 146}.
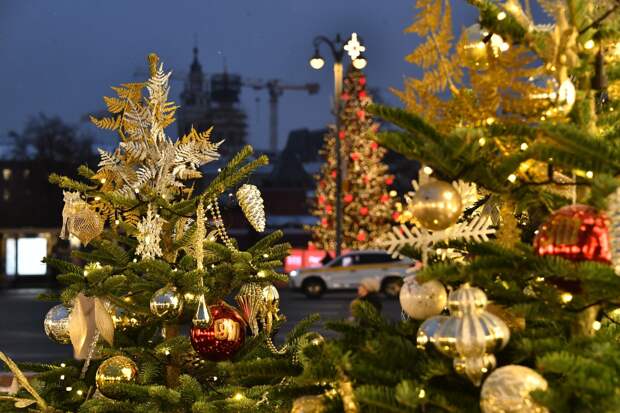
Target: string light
{"x": 238, "y": 396}
{"x": 589, "y": 44}
{"x": 422, "y": 394}
{"x": 102, "y": 180}
{"x": 69, "y": 388}
{"x": 566, "y": 298}
{"x": 596, "y": 325}
{"x": 80, "y": 392}
{"x": 482, "y": 141}
{"x": 427, "y": 170}
{"x": 512, "y": 178}
{"x": 589, "y": 174}
{"x": 62, "y": 377}
{"x": 501, "y": 15}
{"x": 524, "y": 146}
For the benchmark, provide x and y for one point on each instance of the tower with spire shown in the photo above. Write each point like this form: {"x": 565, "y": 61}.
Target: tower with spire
{"x": 195, "y": 102}
{"x": 215, "y": 103}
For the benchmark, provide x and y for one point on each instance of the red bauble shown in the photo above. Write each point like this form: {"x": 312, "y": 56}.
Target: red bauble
{"x": 362, "y": 80}
{"x": 333, "y": 173}
{"x": 385, "y": 198}
{"x": 321, "y": 199}
{"x": 577, "y": 233}
{"x": 389, "y": 180}
{"x": 341, "y": 134}
{"x": 366, "y": 179}
{"x": 374, "y": 146}
{"x": 361, "y": 114}
{"x": 355, "y": 156}
{"x": 348, "y": 198}
{"x": 324, "y": 222}
{"x": 223, "y": 338}
{"x": 344, "y": 96}
{"x": 328, "y": 209}
{"x": 361, "y": 236}
{"x": 362, "y": 94}
{"x": 395, "y": 215}
{"x": 364, "y": 211}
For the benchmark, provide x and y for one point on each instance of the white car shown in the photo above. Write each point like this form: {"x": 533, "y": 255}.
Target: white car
{"x": 346, "y": 272}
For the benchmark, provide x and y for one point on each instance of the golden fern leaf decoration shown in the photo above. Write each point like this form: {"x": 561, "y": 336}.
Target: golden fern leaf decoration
{"x": 115, "y": 105}
{"x": 111, "y": 123}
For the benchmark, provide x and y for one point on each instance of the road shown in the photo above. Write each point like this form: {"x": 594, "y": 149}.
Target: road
{"x": 21, "y": 320}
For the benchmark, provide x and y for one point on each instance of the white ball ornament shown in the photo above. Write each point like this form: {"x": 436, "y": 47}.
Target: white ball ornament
{"x": 421, "y": 301}
{"x": 507, "y": 390}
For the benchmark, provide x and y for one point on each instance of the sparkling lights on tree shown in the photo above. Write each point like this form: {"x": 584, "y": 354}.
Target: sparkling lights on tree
{"x": 367, "y": 201}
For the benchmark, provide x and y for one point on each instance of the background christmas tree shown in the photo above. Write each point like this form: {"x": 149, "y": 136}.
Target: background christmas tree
{"x": 524, "y": 112}
{"x": 366, "y": 200}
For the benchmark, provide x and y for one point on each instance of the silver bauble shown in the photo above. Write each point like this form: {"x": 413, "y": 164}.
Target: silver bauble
{"x": 167, "y": 303}
{"x": 436, "y": 205}
{"x": 421, "y": 301}
{"x": 427, "y": 330}
{"x": 507, "y": 390}
{"x": 56, "y": 324}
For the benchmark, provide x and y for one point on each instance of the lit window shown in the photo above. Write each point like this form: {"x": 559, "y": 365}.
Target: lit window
{"x": 30, "y": 252}
{"x": 6, "y": 174}
{"x": 10, "y": 261}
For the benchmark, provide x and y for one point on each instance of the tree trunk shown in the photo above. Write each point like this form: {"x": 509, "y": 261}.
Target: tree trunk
{"x": 172, "y": 369}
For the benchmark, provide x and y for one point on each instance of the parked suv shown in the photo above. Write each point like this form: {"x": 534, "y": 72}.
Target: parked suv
{"x": 346, "y": 272}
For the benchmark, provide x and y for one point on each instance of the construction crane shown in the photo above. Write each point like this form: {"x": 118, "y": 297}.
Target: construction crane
{"x": 273, "y": 86}
{"x": 275, "y": 90}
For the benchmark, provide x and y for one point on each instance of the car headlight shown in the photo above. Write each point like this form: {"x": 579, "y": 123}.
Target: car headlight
{"x": 294, "y": 273}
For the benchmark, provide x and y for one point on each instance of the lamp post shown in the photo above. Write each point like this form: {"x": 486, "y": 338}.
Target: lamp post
{"x": 338, "y": 48}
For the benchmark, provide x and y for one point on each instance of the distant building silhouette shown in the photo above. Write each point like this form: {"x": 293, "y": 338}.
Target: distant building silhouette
{"x": 216, "y": 104}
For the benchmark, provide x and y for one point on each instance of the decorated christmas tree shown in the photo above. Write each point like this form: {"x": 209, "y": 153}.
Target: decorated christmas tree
{"x": 515, "y": 217}
{"x": 366, "y": 200}
{"x": 145, "y": 313}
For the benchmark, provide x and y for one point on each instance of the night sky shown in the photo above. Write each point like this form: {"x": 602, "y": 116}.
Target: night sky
{"x": 60, "y": 57}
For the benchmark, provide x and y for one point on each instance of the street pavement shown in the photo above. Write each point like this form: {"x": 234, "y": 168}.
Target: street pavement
{"x": 21, "y": 319}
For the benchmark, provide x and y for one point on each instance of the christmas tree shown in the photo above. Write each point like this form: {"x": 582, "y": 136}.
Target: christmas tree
{"x": 158, "y": 263}
{"x": 515, "y": 217}
{"x": 366, "y": 200}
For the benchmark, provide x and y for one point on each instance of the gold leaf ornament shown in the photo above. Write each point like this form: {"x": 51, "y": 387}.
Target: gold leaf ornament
{"x": 79, "y": 219}
{"x": 89, "y": 318}
{"x": 251, "y": 203}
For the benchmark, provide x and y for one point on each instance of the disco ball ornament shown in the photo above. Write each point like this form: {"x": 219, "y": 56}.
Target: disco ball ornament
{"x": 436, "y": 205}
{"x": 507, "y": 390}
{"x": 167, "y": 303}
{"x": 56, "y": 324}
{"x": 421, "y": 301}
{"x": 427, "y": 329}
{"x": 577, "y": 233}
{"x": 223, "y": 338}
{"x": 115, "y": 370}
{"x": 471, "y": 333}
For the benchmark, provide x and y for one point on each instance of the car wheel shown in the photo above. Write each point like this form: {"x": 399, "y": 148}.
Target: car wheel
{"x": 391, "y": 286}
{"x": 313, "y": 287}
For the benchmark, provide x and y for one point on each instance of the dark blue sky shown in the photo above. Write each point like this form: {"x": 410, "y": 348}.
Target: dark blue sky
{"x": 60, "y": 57}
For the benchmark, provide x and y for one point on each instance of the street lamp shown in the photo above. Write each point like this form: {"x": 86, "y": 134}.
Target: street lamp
{"x": 355, "y": 50}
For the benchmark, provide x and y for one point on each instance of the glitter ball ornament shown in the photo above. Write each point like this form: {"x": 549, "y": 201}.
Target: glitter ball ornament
{"x": 223, "y": 338}
{"x": 507, "y": 390}
{"x": 427, "y": 330}
{"x": 577, "y": 233}
{"x": 471, "y": 334}
{"x": 308, "y": 404}
{"x": 436, "y": 205}
{"x": 124, "y": 320}
{"x": 167, "y": 303}
{"x": 115, "y": 370}
{"x": 421, "y": 301}
{"x": 252, "y": 206}
{"x": 56, "y": 324}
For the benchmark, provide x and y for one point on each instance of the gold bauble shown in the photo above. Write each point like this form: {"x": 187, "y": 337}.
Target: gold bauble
{"x": 115, "y": 370}
{"x": 123, "y": 319}
{"x": 167, "y": 303}
{"x": 422, "y": 300}
{"x": 56, "y": 324}
{"x": 436, "y": 205}
{"x": 471, "y": 334}
{"x": 308, "y": 404}
{"x": 507, "y": 390}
